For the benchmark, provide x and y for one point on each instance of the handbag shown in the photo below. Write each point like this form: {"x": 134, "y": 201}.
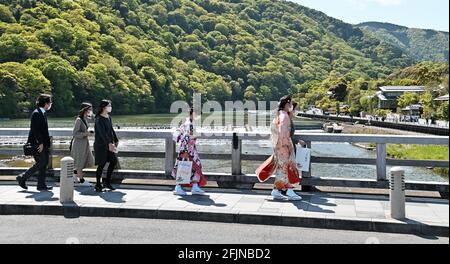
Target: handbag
{"x": 70, "y": 146}
{"x": 303, "y": 158}
{"x": 184, "y": 172}
{"x": 265, "y": 170}
{"x": 30, "y": 150}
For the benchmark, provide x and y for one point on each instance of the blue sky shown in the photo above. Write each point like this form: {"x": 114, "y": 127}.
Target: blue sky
{"x": 428, "y": 14}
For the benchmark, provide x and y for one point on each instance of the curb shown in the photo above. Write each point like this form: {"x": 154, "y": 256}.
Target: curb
{"x": 368, "y": 225}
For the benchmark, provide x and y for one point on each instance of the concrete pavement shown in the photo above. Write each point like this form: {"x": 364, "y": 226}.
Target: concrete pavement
{"x": 317, "y": 210}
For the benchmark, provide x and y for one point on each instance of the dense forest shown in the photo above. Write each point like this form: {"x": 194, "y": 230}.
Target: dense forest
{"x": 422, "y": 44}
{"x": 145, "y": 54}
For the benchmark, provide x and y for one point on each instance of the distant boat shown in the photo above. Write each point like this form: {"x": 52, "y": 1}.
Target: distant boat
{"x": 333, "y": 128}
{"x": 328, "y": 127}
{"x": 337, "y": 128}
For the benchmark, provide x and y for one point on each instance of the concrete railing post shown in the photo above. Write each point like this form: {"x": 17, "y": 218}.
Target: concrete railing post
{"x": 66, "y": 180}
{"x": 236, "y": 151}
{"x": 381, "y": 161}
{"x": 169, "y": 156}
{"x": 397, "y": 193}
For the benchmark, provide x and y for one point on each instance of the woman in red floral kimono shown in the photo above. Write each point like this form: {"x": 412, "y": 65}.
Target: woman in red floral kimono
{"x": 188, "y": 151}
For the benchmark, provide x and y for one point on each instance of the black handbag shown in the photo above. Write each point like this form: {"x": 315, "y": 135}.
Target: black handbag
{"x": 29, "y": 150}
{"x": 70, "y": 146}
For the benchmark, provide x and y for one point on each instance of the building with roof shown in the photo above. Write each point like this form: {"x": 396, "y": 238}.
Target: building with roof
{"x": 388, "y": 95}
{"x": 413, "y": 110}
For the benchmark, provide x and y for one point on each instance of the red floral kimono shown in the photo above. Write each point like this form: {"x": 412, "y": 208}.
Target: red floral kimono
{"x": 188, "y": 151}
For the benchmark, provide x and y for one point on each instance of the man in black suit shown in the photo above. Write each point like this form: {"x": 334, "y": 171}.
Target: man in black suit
{"x": 39, "y": 137}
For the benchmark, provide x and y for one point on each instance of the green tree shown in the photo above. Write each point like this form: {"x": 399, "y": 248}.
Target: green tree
{"x": 8, "y": 95}
{"x": 62, "y": 77}
{"x": 407, "y": 99}
{"x": 6, "y": 14}
{"x": 426, "y": 99}
{"x": 13, "y": 47}
{"x": 30, "y": 83}
{"x": 222, "y": 28}
{"x": 442, "y": 111}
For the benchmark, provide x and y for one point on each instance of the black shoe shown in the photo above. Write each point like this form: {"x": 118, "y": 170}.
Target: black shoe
{"x": 44, "y": 188}
{"x": 21, "y": 182}
{"x": 98, "y": 188}
{"x": 108, "y": 186}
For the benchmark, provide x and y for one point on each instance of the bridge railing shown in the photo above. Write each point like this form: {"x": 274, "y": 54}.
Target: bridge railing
{"x": 236, "y": 178}
{"x": 434, "y": 130}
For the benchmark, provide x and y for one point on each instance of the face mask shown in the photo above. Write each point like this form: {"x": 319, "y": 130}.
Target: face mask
{"x": 49, "y": 107}
{"x": 109, "y": 109}
{"x": 90, "y": 114}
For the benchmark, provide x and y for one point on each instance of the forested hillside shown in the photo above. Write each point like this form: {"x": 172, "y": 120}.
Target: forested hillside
{"x": 146, "y": 54}
{"x": 421, "y": 44}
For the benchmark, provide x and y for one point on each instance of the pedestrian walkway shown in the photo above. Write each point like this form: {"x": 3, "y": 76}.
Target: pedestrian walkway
{"x": 318, "y": 210}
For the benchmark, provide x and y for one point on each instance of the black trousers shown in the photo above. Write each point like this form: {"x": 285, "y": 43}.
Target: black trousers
{"x": 42, "y": 160}
{"x": 112, "y": 159}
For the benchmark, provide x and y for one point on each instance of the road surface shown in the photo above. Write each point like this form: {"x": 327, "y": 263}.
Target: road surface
{"x": 89, "y": 230}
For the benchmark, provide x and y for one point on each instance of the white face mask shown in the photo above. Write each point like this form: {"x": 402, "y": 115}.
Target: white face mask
{"x": 109, "y": 109}
{"x": 90, "y": 114}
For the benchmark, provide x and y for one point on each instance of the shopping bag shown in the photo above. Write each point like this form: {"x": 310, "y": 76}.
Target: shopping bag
{"x": 265, "y": 170}
{"x": 184, "y": 172}
{"x": 303, "y": 158}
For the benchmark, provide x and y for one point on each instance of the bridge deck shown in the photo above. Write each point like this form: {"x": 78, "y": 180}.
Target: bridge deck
{"x": 319, "y": 210}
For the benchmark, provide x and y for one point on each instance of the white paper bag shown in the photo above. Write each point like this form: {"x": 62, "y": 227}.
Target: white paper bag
{"x": 184, "y": 172}
{"x": 303, "y": 158}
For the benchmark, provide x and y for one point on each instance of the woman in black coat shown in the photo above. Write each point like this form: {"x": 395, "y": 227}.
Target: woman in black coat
{"x": 105, "y": 145}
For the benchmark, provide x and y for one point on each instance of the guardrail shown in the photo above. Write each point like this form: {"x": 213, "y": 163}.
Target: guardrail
{"x": 236, "y": 178}
{"x": 433, "y": 130}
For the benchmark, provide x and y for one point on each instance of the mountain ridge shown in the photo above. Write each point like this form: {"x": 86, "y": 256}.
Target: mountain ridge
{"x": 146, "y": 54}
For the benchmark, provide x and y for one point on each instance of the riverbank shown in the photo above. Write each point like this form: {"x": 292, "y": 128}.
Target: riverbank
{"x": 421, "y": 152}
{"x": 398, "y": 151}
{"x": 363, "y": 129}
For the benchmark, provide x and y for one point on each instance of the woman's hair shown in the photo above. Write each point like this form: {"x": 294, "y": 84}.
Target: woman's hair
{"x": 43, "y": 99}
{"x": 84, "y": 108}
{"x": 104, "y": 103}
{"x": 284, "y": 101}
